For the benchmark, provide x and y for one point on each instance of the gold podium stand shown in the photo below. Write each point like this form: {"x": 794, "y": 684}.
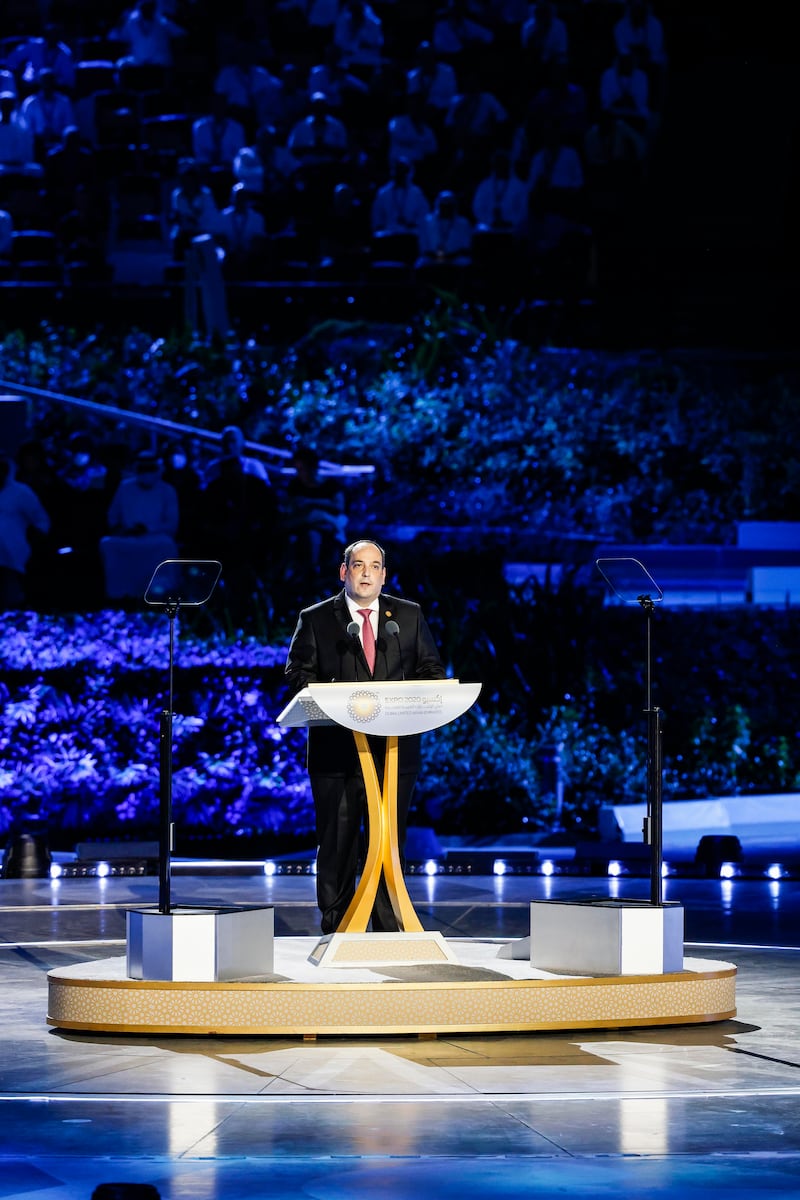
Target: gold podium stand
{"x": 391, "y": 710}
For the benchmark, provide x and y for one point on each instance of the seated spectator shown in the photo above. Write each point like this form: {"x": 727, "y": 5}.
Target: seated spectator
{"x": 16, "y": 139}
{"x": 35, "y": 54}
{"x": 241, "y": 529}
{"x": 142, "y": 524}
{"x": 194, "y": 226}
{"x": 232, "y": 442}
{"x": 624, "y": 91}
{"x": 320, "y": 137}
{"x": 399, "y": 206}
{"x": 82, "y": 230}
{"x": 242, "y": 233}
{"x": 69, "y": 163}
{"x": 265, "y": 170}
{"x": 148, "y": 35}
{"x": 501, "y": 199}
{"x": 557, "y": 173}
{"x": 322, "y": 14}
{"x": 472, "y": 125}
{"x": 358, "y": 34}
{"x": 21, "y": 515}
{"x": 313, "y": 517}
{"x": 83, "y": 472}
{"x": 265, "y": 165}
{"x": 640, "y": 33}
{"x": 6, "y": 231}
{"x": 251, "y": 91}
{"x": 432, "y": 79}
{"x": 290, "y": 103}
{"x": 337, "y": 84}
{"x": 218, "y": 137}
{"x": 192, "y": 210}
{"x": 47, "y": 113}
{"x": 182, "y": 471}
{"x": 33, "y": 467}
{"x": 561, "y": 101}
{"x": 543, "y": 35}
{"x": 445, "y": 236}
{"x": 613, "y": 149}
{"x": 344, "y": 234}
{"x": 410, "y": 135}
{"x": 455, "y": 33}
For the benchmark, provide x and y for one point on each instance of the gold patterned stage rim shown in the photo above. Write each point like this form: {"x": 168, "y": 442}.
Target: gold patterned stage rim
{"x": 479, "y": 994}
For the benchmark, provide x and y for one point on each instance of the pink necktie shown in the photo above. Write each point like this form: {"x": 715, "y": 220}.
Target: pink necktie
{"x": 368, "y": 638}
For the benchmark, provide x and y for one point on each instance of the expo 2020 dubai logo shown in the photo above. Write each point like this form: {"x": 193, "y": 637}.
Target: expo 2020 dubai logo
{"x": 364, "y": 706}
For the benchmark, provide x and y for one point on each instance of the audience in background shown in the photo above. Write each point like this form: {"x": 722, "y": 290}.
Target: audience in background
{"x": 309, "y": 96}
{"x": 22, "y": 517}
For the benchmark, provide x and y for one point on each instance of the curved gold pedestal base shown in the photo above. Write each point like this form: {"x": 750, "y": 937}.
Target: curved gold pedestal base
{"x": 480, "y": 994}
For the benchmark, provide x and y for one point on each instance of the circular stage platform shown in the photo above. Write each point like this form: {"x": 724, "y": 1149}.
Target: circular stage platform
{"x": 481, "y": 993}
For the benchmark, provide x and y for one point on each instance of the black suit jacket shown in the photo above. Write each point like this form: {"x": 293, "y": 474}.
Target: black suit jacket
{"x": 321, "y": 651}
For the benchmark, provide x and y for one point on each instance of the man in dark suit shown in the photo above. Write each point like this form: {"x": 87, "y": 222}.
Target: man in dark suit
{"x": 332, "y": 644}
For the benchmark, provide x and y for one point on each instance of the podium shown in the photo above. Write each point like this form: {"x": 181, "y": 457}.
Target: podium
{"x": 391, "y": 710}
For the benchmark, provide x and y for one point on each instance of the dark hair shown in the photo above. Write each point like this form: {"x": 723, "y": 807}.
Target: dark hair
{"x": 363, "y": 542}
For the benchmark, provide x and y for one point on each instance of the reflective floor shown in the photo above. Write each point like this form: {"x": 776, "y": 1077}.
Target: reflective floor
{"x": 589, "y": 1113}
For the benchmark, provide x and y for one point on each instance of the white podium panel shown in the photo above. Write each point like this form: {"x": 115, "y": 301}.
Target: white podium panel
{"x": 386, "y": 709}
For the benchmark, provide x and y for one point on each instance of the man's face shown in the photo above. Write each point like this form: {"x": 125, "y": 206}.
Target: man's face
{"x": 364, "y": 575}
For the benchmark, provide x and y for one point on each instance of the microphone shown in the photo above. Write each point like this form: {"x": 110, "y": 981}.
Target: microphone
{"x": 354, "y": 633}
{"x": 393, "y": 629}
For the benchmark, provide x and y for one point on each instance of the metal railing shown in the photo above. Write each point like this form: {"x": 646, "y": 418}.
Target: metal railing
{"x": 161, "y": 427}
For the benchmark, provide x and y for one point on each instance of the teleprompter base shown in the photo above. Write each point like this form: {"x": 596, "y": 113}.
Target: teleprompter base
{"x": 200, "y": 944}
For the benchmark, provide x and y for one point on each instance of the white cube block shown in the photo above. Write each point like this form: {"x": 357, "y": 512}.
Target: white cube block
{"x": 600, "y": 937}
{"x": 201, "y": 944}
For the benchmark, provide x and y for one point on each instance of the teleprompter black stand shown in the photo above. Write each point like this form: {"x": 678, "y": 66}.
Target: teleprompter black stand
{"x": 632, "y": 583}
{"x": 190, "y": 943}
{"x": 176, "y": 583}
{"x": 610, "y": 936}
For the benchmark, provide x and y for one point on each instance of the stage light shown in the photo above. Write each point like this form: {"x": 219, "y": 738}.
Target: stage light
{"x": 431, "y": 867}
{"x": 666, "y": 870}
{"x": 499, "y": 867}
{"x": 615, "y": 869}
{"x": 56, "y": 870}
{"x": 547, "y": 867}
{"x": 728, "y": 870}
{"x": 312, "y": 867}
{"x": 776, "y": 871}
{"x": 270, "y": 868}
{"x": 102, "y": 870}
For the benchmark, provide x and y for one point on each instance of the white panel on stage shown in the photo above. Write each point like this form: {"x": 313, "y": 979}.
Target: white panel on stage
{"x": 201, "y": 944}
{"x": 606, "y": 937}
